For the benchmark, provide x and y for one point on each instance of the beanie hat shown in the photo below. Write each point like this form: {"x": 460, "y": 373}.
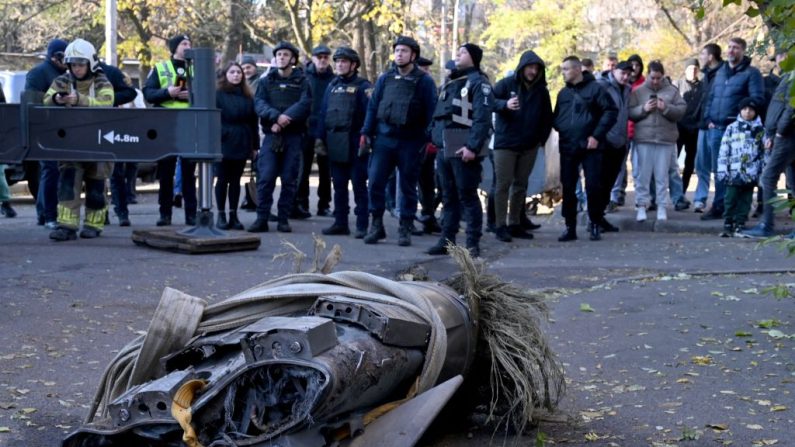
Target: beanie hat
{"x": 248, "y": 60}
{"x": 56, "y": 46}
{"x": 475, "y": 52}
{"x": 174, "y": 42}
{"x": 749, "y": 102}
{"x": 624, "y": 65}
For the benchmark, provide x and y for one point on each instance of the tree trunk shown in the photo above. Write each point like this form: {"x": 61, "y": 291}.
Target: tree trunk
{"x": 234, "y": 32}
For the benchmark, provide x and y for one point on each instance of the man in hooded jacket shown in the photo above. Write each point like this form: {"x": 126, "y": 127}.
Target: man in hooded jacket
{"x": 523, "y": 123}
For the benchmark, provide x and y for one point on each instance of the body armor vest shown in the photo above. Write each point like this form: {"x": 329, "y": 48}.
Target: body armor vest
{"x": 283, "y": 93}
{"x": 342, "y": 104}
{"x": 455, "y": 102}
{"x": 399, "y": 99}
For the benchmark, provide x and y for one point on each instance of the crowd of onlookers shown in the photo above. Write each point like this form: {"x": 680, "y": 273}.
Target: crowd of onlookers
{"x": 404, "y": 141}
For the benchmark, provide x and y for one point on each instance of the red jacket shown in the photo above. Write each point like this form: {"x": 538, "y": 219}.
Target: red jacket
{"x": 630, "y": 124}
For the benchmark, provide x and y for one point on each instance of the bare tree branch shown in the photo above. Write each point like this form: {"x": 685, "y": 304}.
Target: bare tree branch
{"x": 673, "y": 23}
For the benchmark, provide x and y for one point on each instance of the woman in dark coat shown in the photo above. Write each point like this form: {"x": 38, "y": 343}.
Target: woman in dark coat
{"x": 239, "y": 138}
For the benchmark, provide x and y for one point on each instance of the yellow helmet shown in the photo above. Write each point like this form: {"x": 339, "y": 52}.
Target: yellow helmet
{"x": 81, "y": 51}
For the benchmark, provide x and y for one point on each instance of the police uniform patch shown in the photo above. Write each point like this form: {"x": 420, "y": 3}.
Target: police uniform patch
{"x": 464, "y": 92}
{"x": 351, "y": 89}
{"x": 486, "y": 89}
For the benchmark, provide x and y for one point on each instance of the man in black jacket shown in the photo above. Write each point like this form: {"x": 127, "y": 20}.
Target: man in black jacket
{"x": 584, "y": 113}
{"x": 780, "y": 140}
{"x": 283, "y": 102}
{"x": 39, "y": 79}
{"x": 319, "y": 75}
{"x": 523, "y": 123}
{"x": 690, "y": 88}
{"x": 461, "y": 127}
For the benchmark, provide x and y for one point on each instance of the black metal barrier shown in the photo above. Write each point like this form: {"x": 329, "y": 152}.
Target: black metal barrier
{"x": 34, "y": 132}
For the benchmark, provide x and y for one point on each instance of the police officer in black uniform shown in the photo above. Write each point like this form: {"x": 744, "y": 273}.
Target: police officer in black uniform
{"x": 461, "y": 128}
{"x": 341, "y": 115}
{"x": 282, "y": 103}
{"x": 396, "y": 124}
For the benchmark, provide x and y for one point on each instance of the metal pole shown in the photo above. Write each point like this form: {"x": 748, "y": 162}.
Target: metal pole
{"x": 110, "y": 33}
{"x": 202, "y": 95}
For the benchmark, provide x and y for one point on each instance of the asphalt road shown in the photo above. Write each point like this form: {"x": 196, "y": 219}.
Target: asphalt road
{"x": 675, "y": 350}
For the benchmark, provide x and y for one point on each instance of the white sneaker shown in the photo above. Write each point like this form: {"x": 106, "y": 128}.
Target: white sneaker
{"x": 698, "y": 207}
{"x": 641, "y": 217}
{"x": 662, "y": 214}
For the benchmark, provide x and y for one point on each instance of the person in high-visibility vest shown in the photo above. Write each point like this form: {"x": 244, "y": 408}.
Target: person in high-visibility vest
{"x": 83, "y": 85}
{"x": 166, "y": 86}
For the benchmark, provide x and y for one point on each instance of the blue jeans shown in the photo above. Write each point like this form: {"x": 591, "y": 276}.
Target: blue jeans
{"x": 178, "y": 178}
{"x": 286, "y": 165}
{"x": 706, "y": 164}
{"x": 354, "y": 173}
{"x": 405, "y": 156}
{"x": 47, "y": 197}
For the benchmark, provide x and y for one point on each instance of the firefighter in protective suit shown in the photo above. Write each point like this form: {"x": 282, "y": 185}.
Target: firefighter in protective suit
{"x": 341, "y": 116}
{"x": 83, "y": 85}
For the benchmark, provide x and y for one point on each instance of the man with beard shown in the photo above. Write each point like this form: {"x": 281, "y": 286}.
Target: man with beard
{"x": 735, "y": 80}
{"x": 523, "y": 123}
{"x": 584, "y": 113}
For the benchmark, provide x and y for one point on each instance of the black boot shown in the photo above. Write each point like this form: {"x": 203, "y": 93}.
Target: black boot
{"x": 90, "y": 233}
{"x": 234, "y": 223}
{"x": 570, "y": 234}
{"x": 164, "y": 221}
{"x": 376, "y": 232}
{"x": 526, "y": 223}
{"x": 430, "y": 225}
{"x": 607, "y": 227}
{"x": 284, "y": 226}
{"x": 404, "y": 232}
{"x": 259, "y": 226}
{"x": 518, "y": 232}
{"x": 61, "y": 234}
{"x": 501, "y": 233}
{"x": 6, "y": 210}
{"x": 441, "y": 247}
{"x": 728, "y": 229}
{"x": 221, "y": 222}
{"x": 124, "y": 220}
{"x": 336, "y": 229}
{"x": 473, "y": 247}
{"x": 594, "y": 233}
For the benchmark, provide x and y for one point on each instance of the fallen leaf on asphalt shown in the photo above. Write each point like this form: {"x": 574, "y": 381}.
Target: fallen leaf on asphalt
{"x": 762, "y": 442}
{"x": 743, "y": 334}
{"x": 585, "y": 307}
{"x": 7, "y": 405}
{"x": 4, "y": 429}
{"x": 591, "y": 437}
{"x": 778, "y": 408}
{"x": 754, "y": 427}
{"x": 718, "y": 427}
{"x": 683, "y": 380}
{"x": 768, "y": 324}
{"x": 727, "y": 392}
{"x": 28, "y": 410}
{"x": 702, "y": 360}
{"x": 777, "y": 334}
{"x": 688, "y": 434}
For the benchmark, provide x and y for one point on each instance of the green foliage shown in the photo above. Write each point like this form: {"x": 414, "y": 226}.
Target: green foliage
{"x": 549, "y": 27}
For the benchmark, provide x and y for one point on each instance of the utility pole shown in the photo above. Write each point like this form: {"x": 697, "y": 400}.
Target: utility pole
{"x": 110, "y": 32}
{"x": 443, "y": 49}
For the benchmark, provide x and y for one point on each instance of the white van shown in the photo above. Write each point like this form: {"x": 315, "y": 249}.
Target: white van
{"x": 13, "y": 84}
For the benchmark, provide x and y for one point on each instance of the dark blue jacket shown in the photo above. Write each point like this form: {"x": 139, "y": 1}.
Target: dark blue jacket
{"x": 358, "y": 116}
{"x": 730, "y": 86}
{"x": 40, "y": 77}
{"x": 268, "y": 111}
{"x": 318, "y": 83}
{"x": 122, "y": 92}
{"x": 417, "y": 127}
{"x": 780, "y": 117}
{"x": 528, "y": 127}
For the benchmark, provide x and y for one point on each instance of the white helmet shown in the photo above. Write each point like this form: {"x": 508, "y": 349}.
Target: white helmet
{"x": 81, "y": 51}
